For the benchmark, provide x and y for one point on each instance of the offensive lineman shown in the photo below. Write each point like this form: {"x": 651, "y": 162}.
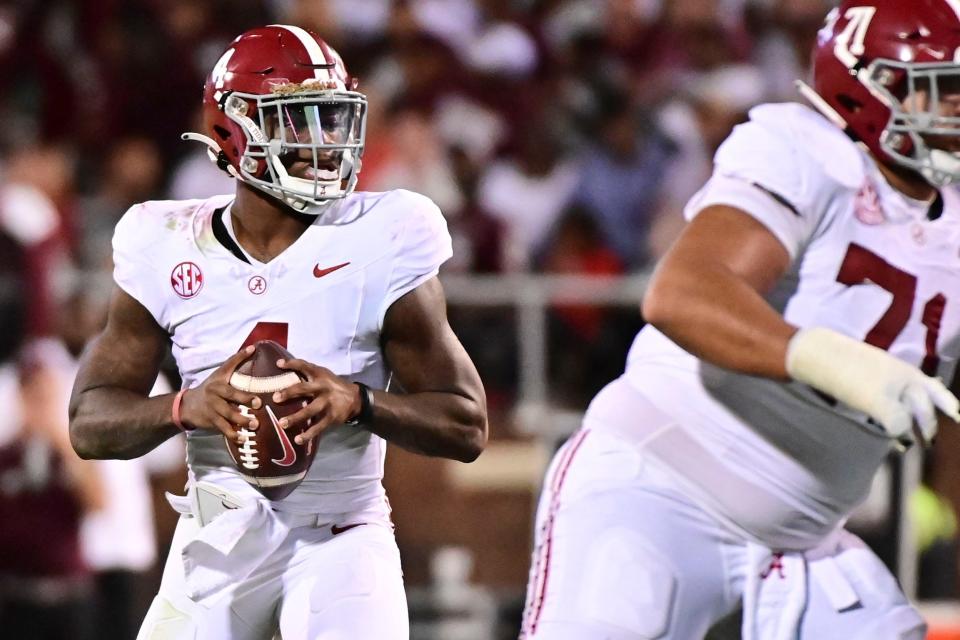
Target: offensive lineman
{"x": 795, "y": 324}
{"x": 347, "y": 282}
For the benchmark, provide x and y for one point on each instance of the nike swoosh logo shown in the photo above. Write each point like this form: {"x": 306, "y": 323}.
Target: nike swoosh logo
{"x": 335, "y": 530}
{"x": 319, "y": 273}
{"x": 289, "y": 453}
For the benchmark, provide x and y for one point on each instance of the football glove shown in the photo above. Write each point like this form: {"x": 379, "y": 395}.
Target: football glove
{"x": 892, "y": 392}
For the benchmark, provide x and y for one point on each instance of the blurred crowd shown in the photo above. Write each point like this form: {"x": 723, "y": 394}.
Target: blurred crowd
{"x": 557, "y": 136}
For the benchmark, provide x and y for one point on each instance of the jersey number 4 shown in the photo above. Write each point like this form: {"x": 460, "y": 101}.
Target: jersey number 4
{"x": 861, "y": 266}
{"x": 276, "y": 331}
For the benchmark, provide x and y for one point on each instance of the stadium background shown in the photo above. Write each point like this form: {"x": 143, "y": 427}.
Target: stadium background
{"x": 561, "y": 138}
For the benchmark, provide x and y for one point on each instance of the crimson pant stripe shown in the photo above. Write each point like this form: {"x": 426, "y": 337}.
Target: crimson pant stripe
{"x": 538, "y": 586}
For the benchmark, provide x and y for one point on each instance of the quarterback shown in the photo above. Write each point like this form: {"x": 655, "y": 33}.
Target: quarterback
{"x": 347, "y": 282}
{"x": 799, "y": 328}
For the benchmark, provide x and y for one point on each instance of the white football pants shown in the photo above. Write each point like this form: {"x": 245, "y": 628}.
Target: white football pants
{"x": 622, "y": 554}
{"x": 315, "y": 586}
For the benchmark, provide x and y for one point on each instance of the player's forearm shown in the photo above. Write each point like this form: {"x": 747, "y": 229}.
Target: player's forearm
{"x": 717, "y": 316}
{"x": 113, "y": 423}
{"x": 445, "y": 425}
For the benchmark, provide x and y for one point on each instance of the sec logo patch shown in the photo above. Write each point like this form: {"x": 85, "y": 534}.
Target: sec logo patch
{"x": 186, "y": 280}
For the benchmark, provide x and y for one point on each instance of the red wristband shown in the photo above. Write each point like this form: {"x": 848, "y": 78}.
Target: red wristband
{"x": 177, "y": 399}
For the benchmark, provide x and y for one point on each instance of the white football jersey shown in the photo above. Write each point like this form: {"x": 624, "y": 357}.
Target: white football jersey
{"x": 866, "y": 261}
{"x": 324, "y": 298}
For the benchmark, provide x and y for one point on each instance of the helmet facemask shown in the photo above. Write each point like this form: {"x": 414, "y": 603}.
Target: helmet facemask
{"x": 304, "y": 143}
{"x": 923, "y": 133}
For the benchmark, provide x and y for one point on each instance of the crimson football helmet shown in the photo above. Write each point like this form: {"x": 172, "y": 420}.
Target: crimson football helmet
{"x": 888, "y": 72}
{"x": 283, "y": 116}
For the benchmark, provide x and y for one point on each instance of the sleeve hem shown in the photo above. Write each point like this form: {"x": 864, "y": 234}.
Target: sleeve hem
{"x": 130, "y": 291}
{"x": 393, "y": 296}
{"x": 756, "y": 201}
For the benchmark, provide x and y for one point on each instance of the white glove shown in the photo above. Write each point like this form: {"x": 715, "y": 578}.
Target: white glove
{"x": 868, "y": 379}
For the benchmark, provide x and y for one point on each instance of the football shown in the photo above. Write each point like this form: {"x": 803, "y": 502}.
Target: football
{"x": 268, "y": 457}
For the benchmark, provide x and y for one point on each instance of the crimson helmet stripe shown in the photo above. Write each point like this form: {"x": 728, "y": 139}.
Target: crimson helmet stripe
{"x": 313, "y": 49}
{"x": 255, "y": 64}
{"x": 955, "y": 5}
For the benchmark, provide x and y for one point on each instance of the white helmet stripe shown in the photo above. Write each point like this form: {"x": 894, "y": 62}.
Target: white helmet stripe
{"x": 313, "y": 50}
{"x": 955, "y": 5}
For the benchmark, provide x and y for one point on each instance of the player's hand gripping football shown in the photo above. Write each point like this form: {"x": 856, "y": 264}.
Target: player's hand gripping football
{"x": 895, "y": 394}
{"x": 330, "y": 398}
{"x": 214, "y": 404}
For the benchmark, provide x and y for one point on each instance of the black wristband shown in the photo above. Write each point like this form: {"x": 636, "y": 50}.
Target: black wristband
{"x": 365, "y": 415}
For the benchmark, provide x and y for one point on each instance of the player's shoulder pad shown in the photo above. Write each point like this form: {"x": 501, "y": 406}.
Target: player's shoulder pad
{"x": 148, "y": 224}
{"x": 134, "y": 229}
{"x": 403, "y": 202}
{"x": 415, "y": 214}
{"x": 792, "y": 151}
{"x": 421, "y": 237}
{"x": 817, "y": 142}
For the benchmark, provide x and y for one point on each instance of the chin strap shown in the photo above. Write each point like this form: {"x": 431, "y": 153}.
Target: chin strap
{"x": 214, "y": 152}
{"x": 820, "y": 104}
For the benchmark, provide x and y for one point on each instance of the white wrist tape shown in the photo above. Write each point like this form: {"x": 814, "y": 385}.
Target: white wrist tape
{"x": 868, "y": 379}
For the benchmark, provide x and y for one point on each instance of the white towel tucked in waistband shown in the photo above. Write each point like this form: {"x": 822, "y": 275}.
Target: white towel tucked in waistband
{"x": 228, "y": 549}
{"x": 233, "y": 540}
